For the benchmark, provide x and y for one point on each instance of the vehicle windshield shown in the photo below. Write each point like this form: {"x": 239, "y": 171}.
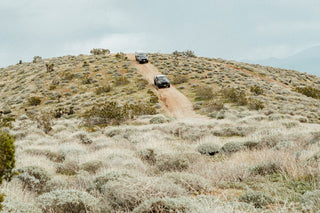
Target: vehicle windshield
{"x": 141, "y": 54}
{"x": 162, "y": 77}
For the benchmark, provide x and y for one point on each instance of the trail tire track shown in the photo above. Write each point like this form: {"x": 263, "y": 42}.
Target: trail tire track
{"x": 173, "y": 101}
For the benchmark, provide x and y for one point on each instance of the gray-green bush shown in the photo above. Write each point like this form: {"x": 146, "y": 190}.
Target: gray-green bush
{"x": 266, "y": 168}
{"x": 34, "y": 178}
{"x": 311, "y": 201}
{"x": 101, "y": 180}
{"x": 165, "y": 204}
{"x": 232, "y": 147}
{"x": 258, "y": 199}
{"x": 91, "y": 166}
{"x": 147, "y": 155}
{"x": 193, "y": 183}
{"x": 125, "y": 194}
{"x": 73, "y": 201}
{"x": 13, "y": 206}
{"x": 208, "y": 148}
{"x": 172, "y": 162}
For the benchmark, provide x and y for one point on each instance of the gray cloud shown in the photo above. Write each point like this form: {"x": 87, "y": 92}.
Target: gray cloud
{"x": 231, "y": 29}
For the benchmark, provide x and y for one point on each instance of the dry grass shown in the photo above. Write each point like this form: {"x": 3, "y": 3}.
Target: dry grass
{"x": 176, "y": 162}
{"x": 142, "y": 166}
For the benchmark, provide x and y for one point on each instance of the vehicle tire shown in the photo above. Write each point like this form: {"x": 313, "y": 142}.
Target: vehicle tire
{"x": 169, "y": 86}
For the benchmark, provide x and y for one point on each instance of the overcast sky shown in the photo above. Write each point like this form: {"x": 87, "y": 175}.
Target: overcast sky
{"x": 230, "y": 29}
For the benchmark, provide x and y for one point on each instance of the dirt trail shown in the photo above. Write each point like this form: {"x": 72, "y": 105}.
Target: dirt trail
{"x": 174, "y": 102}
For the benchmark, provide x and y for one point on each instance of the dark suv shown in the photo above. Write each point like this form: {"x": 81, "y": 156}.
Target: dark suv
{"x": 141, "y": 57}
{"x": 161, "y": 81}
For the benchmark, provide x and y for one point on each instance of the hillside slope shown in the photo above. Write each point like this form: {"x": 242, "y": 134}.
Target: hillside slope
{"x": 229, "y": 157}
{"x": 278, "y": 85}
{"x": 80, "y": 82}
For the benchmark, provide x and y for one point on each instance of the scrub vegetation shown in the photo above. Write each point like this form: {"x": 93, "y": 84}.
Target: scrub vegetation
{"x": 99, "y": 140}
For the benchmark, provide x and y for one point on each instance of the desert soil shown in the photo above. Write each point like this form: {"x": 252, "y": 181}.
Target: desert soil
{"x": 173, "y": 102}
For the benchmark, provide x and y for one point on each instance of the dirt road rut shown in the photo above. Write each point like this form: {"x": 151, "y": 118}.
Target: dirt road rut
{"x": 173, "y": 101}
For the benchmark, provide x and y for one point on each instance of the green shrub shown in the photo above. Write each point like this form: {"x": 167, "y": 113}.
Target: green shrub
{"x": 159, "y": 120}
{"x": 213, "y": 105}
{"x": 208, "y": 148}
{"x": 266, "y": 169}
{"x": 121, "y": 56}
{"x": 258, "y": 199}
{"x": 103, "y": 89}
{"x": 1, "y": 200}
{"x": 231, "y": 131}
{"x": 6, "y": 121}
{"x": 109, "y": 113}
{"x": 304, "y": 184}
{"x": 122, "y": 80}
{"x": 34, "y": 101}
{"x": 52, "y": 87}
{"x": 255, "y": 104}
{"x": 49, "y": 67}
{"x": 256, "y": 90}
{"x": 204, "y": 92}
{"x": 85, "y": 64}
{"x": 87, "y": 79}
{"x": 141, "y": 84}
{"x": 251, "y": 144}
{"x": 33, "y": 178}
{"x": 84, "y": 138}
{"x": 180, "y": 79}
{"x": 147, "y": 155}
{"x": 99, "y": 51}
{"x": 153, "y": 97}
{"x": 91, "y": 166}
{"x": 101, "y": 180}
{"x": 44, "y": 121}
{"x": 72, "y": 201}
{"x": 7, "y": 154}
{"x": 67, "y": 76}
{"x": 171, "y": 162}
{"x": 7, "y": 159}
{"x": 309, "y": 91}
{"x": 165, "y": 204}
{"x": 114, "y": 114}
{"x": 232, "y": 147}
{"x": 37, "y": 59}
{"x": 234, "y": 95}
{"x": 68, "y": 168}
{"x": 187, "y": 53}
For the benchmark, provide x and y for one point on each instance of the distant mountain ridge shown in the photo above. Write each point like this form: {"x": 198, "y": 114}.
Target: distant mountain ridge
{"x": 307, "y": 61}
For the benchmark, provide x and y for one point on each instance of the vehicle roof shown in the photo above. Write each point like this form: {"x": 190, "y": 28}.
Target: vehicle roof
{"x": 161, "y": 76}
